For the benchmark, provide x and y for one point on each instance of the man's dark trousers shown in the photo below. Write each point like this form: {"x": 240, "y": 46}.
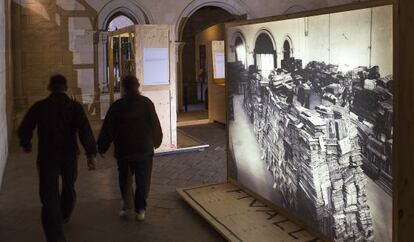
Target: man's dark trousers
{"x": 56, "y": 206}
{"x": 142, "y": 169}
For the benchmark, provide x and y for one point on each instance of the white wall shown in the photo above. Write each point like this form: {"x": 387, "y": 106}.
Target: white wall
{"x": 342, "y": 39}
{"x": 382, "y": 40}
{"x": 3, "y": 87}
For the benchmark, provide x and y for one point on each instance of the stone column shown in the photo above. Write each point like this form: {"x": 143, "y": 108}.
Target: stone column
{"x": 97, "y": 80}
{"x": 179, "y": 58}
{"x": 103, "y": 59}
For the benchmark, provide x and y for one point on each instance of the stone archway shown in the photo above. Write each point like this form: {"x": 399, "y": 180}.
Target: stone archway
{"x": 294, "y": 9}
{"x": 287, "y": 47}
{"x": 129, "y": 8}
{"x": 265, "y": 51}
{"x": 236, "y": 40}
{"x": 234, "y": 7}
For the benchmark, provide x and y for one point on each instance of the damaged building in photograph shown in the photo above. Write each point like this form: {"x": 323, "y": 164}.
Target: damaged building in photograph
{"x": 311, "y": 118}
{"x": 373, "y": 104}
{"x": 320, "y": 132}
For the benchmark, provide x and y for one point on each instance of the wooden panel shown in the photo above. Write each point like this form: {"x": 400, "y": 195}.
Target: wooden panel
{"x": 149, "y": 36}
{"x": 163, "y": 96}
{"x": 162, "y": 105}
{"x": 239, "y": 216}
{"x": 334, "y": 9}
{"x": 217, "y": 110}
{"x": 404, "y": 122}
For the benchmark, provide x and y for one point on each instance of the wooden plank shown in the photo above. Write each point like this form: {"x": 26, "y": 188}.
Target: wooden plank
{"x": 192, "y": 122}
{"x": 239, "y": 216}
{"x": 403, "y": 152}
{"x": 122, "y": 31}
{"x": 217, "y": 101}
{"x": 328, "y": 10}
{"x": 163, "y": 96}
{"x": 161, "y": 100}
{"x": 155, "y": 88}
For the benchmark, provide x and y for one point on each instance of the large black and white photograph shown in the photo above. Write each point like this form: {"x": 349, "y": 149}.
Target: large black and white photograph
{"x": 311, "y": 118}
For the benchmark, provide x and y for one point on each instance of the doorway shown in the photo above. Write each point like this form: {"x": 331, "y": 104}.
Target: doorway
{"x": 118, "y": 52}
{"x": 286, "y": 50}
{"x": 193, "y": 106}
{"x": 265, "y": 57}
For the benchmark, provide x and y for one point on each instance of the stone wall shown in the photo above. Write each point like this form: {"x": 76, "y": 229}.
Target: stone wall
{"x": 65, "y": 36}
{"x": 52, "y": 37}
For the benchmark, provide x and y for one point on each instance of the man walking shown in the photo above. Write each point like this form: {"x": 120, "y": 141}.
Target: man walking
{"x": 58, "y": 120}
{"x": 132, "y": 125}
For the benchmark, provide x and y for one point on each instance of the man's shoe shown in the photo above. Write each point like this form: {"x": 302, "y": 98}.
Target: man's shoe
{"x": 125, "y": 213}
{"x": 140, "y": 215}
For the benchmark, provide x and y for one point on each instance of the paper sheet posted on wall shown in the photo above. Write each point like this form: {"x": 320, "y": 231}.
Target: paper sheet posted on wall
{"x": 219, "y": 65}
{"x": 156, "y": 66}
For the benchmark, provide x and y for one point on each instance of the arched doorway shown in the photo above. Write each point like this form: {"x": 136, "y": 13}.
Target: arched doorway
{"x": 121, "y": 52}
{"x": 265, "y": 57}
{"x": 116, "y": 14}
{"x": 240, "y": 50}
{"x": 192, "y": 89}
{"x": 286, "y": 50}
{"x": 130, "y": 8}
{"x": 119, "y": 21}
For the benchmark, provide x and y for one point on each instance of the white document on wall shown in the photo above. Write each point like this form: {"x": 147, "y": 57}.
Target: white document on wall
{"x": 219, "y": 71}
{"x": 156, "y": 66}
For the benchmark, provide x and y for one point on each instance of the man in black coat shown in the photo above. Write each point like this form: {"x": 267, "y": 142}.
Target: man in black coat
{"x": 133, "y": 126}
{"x": 58, "y": 120}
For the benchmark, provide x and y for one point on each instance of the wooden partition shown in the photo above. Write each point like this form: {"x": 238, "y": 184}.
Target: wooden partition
{"x": 163, "y": 95}
{"x": 157, "y": 42}
{"x": 404, "y": 122}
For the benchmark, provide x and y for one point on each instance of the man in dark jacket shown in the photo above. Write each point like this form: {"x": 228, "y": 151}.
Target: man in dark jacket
{"x": 58, "y": 120}
{"x": 132, "y": 125}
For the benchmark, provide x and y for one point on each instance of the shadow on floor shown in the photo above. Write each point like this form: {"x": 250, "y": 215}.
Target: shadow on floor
{"x": 96, "y": 214}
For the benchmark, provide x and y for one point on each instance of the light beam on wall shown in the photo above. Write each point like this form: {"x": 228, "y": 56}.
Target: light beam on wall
{"x": 34, "y": 6}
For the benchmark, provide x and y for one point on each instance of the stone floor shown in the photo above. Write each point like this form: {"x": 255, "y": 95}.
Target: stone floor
{"x": 192, "y": 115}
{"x": 95, "y": 218}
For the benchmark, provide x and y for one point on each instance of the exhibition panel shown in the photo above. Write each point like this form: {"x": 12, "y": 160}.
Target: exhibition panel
{"x": 310, "y": 118}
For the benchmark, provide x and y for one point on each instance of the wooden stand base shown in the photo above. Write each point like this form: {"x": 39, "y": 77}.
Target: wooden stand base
{"x": 239, "y": 216}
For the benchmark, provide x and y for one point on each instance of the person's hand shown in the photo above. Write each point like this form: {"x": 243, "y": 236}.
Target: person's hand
{"x": 27, "y": 149}
{"x": 91, "y": 162}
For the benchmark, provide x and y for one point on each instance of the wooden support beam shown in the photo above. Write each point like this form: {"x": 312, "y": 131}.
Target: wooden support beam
{"x": 404, "y": 122}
